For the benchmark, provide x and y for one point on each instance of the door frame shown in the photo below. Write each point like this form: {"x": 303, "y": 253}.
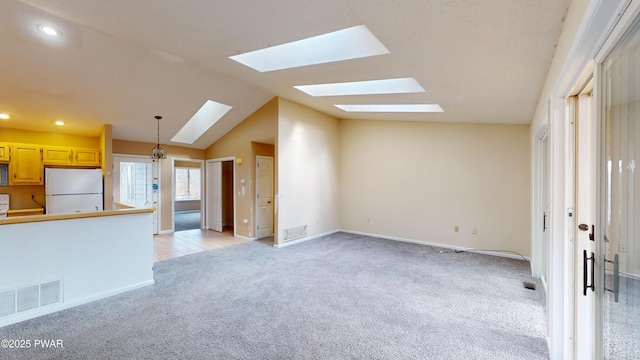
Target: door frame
{"x": 537, "y": 222}
{"x": 586, "y": 164}
{"x": 173, "y": 190}
{"x": 592, "y": 31}
{"x": 206, "y": 191}
{"x": 116, "y": 182}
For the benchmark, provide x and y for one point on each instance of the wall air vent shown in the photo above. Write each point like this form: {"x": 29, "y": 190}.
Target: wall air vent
{"x": 295, "y": 233}
{"x": 30, "y": 297}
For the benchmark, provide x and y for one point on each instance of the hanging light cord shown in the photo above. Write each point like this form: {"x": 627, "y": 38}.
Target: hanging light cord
{"x": 158, "y": 117}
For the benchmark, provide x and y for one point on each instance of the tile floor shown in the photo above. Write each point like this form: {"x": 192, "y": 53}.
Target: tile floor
{"x": 167, "y": 246}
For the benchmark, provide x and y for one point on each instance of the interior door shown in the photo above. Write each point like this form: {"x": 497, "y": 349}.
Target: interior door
{"x": 584, "y": 224}
{"x": 136, "y": 183}
{"x": 619, "y": 245}
{"x": 214, "y": 203}
{"x": 264, "y": 192}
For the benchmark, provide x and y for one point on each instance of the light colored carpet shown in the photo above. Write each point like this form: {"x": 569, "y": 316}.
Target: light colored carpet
{"x": 339, "y": 297}
{"x": 186, "y": 220}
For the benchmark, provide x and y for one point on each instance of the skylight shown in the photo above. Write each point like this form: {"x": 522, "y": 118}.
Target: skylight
{"x": 201, "y": 121}
{"x": 386, "y": 86}
{"x": 351, "y": 43}
{"x": 391, "y": 108}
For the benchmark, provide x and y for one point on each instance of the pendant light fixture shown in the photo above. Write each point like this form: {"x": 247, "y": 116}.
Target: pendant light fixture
{"x": 157, "y": 152}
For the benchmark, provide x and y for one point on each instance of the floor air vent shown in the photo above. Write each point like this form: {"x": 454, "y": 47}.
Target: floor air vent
{"x": 29, "y": 297}
{"x": 295, "y": 233}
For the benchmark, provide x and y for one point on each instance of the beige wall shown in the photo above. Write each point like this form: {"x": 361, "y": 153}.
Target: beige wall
{"x": 417, "y": 181}
{"x": 308, "y": 170}
{"x": 166, "y": 177}
{"x": 240, "y": 142}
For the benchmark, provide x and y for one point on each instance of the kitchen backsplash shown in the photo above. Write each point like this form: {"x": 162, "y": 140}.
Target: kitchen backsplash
{"x": 21, "y": 196}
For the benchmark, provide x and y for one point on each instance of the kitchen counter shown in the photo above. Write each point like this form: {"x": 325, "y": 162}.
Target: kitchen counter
{"x": 51, "y": 217}
{"x": 22, "y": 212}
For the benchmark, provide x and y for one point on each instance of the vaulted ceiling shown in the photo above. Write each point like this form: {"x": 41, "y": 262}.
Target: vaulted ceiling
{"x": 121, "y": 62}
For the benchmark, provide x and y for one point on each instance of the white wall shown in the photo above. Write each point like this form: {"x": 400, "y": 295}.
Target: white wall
{"x": 417, "y": 181}
{"x": 308, "y": 170}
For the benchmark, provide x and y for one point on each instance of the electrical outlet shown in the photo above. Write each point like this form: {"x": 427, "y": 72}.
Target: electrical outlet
{"x": 474, "y": 231}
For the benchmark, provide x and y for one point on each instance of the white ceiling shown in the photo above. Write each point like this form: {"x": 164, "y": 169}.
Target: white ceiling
{"x": 121, "y": 62}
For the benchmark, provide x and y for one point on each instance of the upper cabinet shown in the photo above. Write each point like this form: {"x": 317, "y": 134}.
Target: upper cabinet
{"x": 86, "y": 157}
{"x": 27, "y": 161}
{"x": 58, "y": 155}
{"x": 26, "y": 166}
{"x": 4, "y": 152}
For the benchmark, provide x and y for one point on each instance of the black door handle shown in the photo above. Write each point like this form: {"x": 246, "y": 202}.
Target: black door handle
{"x": 585, "y": 283}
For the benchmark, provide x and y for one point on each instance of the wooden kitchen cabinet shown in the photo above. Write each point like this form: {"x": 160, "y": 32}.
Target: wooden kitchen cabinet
{"x": 86, "y": 157}
{"x": 26, "y": 166}
{"x": 58, "y": 155}
{"x": 4, "y": 152}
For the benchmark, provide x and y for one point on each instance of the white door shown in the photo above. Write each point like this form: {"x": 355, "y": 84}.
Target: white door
{"x": 618, "y": 250}
{"x": 584, "y": 225}
{"x": 264, "y": 194}
{"x": 136, "y": 183}
{"x": 214, "y": 192}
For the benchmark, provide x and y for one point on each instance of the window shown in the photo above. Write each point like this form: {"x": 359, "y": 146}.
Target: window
{"x": 135, "y": 184}
{"x": 187, "y": 184}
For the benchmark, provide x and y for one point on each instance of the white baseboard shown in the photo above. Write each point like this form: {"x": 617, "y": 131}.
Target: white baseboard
{"x": 445, "y": 246}
{"x": 246, "y": 238}
{"x": 306, "y": 239}
{"x": 67, "y": 305}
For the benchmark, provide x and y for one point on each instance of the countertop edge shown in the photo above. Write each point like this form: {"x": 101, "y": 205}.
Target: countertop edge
{"x": 82, "y": 215}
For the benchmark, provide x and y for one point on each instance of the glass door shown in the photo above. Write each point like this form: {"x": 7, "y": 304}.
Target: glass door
{"x": 136, "y": 183}
{"x": 619, "y": 244}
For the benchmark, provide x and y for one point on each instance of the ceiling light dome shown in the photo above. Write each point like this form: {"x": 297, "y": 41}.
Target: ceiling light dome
{"x": 50, "y": 30}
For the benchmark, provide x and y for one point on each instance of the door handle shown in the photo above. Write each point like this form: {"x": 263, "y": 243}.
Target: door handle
{"x": 585, "y": 283}
{"x": 585, "y": 227}
{"x": 544, "y": 221}
{"x": 616, "y": 277}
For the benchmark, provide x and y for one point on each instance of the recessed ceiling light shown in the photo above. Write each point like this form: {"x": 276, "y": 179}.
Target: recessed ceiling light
{"x": 50, "y": 30}
{"x": 391, "y": 108}
{"x": 4, "y": 116}
{"x": 59, "y": 122}
{"x": 386, "y": 86}
{"x": 201, "y": 121}
{"x": 351, "y": 43}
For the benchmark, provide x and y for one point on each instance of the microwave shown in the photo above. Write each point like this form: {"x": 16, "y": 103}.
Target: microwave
{"x": 4, "y": 174}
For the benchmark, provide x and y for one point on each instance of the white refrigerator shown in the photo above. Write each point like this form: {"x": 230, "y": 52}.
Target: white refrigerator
{"x": 72, "y": 190}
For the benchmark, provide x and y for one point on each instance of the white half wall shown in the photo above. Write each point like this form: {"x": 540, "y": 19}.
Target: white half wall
{"x": 86, "y": 259}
